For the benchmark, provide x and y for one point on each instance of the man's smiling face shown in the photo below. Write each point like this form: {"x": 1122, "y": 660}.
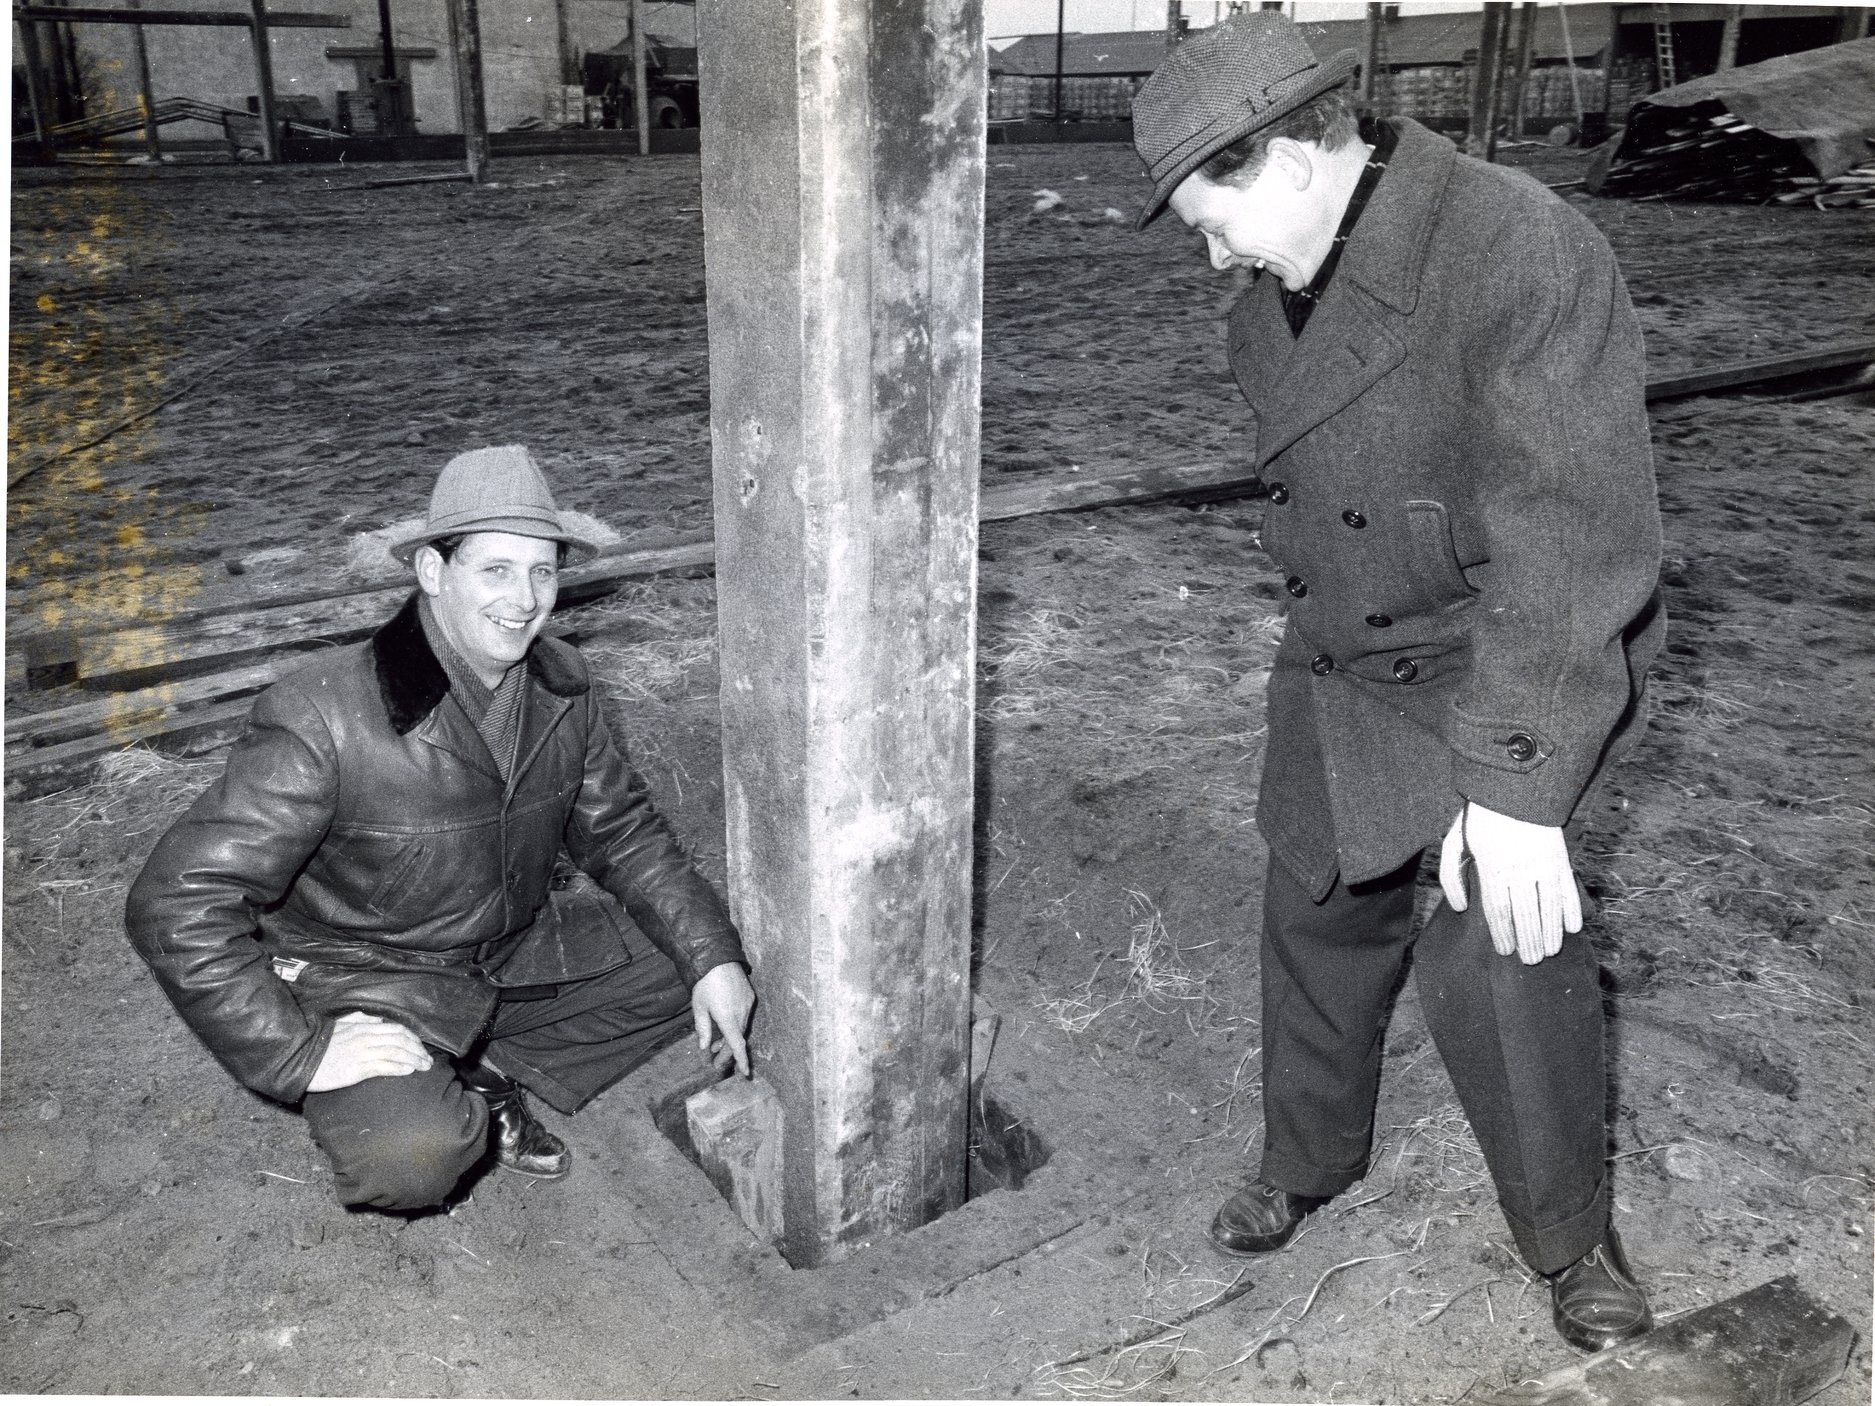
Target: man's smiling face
{"x": 492, "y": 597}
{"x": 1281, "y": 219}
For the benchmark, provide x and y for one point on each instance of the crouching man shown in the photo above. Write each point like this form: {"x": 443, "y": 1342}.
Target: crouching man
{"x": 1446, "y": 379}
{"x": 372, "y": 914}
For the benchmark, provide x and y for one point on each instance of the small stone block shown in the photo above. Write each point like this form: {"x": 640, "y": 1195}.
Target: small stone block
{"x": 1771, "y": 1346}
{"x": 735, "y": 1127}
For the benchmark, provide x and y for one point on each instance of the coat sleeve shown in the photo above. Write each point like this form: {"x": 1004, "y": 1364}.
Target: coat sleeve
{"x": 617, "y": 836}
{"x": 1567, "y": 503}
{"x": 191, "y": 911}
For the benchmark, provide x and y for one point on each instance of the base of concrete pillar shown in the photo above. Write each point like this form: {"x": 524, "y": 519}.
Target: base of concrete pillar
{"x": 731, "y": 1129}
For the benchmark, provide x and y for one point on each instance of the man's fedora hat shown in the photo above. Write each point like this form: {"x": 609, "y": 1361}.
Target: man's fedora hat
{"x": 497, "y": 489}
{"x": 1218, "y": 87}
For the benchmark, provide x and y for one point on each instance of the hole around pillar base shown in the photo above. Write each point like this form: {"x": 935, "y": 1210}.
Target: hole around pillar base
{"x": 1004, "y": 1151}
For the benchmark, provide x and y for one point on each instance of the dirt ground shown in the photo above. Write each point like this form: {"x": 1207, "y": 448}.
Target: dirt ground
{"x": 301, "y": 355}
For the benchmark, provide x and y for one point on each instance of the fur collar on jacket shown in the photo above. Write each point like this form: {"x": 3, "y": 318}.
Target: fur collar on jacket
{"x": 411, "y": 680}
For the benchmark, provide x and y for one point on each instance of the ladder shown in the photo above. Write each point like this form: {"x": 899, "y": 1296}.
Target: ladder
{"x": 1383, "y": 71}
{"x": 1664, "y": 68}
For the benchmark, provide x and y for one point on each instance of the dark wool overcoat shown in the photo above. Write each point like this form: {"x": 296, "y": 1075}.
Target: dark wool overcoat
{"x": 1461, "y": 499}
{"x": 361, "y": 852}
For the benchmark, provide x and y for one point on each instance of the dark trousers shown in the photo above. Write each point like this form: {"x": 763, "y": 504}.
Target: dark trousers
{"x": 404, "y": 1143}
{"x": 1523, "y": 1045}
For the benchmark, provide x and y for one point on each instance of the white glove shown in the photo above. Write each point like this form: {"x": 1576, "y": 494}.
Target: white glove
{"x": 1524, "y": 880}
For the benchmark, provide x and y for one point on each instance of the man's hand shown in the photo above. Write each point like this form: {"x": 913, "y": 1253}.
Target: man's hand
{"x": 367, "y": 1047}
{"x": 722, "y": 1002}
{"x": 1524, "y": 880}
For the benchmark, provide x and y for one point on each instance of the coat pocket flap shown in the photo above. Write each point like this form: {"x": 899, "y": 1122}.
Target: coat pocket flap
{"x": 579, "y": 932}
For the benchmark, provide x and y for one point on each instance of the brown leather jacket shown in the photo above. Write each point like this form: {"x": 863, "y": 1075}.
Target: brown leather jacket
{"x": 361, "y": 852}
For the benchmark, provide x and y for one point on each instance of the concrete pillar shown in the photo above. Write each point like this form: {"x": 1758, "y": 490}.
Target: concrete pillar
{"x": 843, "y": 161}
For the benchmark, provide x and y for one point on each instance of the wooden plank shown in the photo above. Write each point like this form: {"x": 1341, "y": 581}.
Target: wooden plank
{"x": 203, "y": 639}
{"x": 113, "y": 14}
{"x": 117, "y": 712}
{"x": 1208, "y": 482}
{"x": 1747, "y": 373}
{"x": 47, "y": 769}
{"x": 216, "y": 632}
{"x": 149, "y": 650}
{"x": 1771, "y": 1346}
{"x": 204, "y": 632}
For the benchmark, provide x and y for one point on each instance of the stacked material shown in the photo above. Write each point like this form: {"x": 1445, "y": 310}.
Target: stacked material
{"x": 1796, "y": 128}
{"x": 1701, "y": 153}
{"x": 1853, "y": 189}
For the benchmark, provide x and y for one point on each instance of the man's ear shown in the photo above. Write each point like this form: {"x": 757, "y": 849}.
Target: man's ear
{"x": 1293, "y": 162}
{"x": 429, "y": 564}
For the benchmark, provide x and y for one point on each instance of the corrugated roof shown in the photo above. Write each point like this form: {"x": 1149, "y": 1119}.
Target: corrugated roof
{"x": 1120, "y": 52}
{"x": 1412, "y": 40}
{"x": 1418, "y": 40}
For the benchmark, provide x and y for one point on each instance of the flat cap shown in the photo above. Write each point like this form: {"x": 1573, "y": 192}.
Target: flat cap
{"x": 1218, "y": 87}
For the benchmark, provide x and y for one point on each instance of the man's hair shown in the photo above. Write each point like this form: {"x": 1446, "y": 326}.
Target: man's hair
{"x": 446, "y": 547}
{"x": 1327, "y": 119}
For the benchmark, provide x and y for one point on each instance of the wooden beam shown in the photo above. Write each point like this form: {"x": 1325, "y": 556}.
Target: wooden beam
{"x": 256, "y": 625}
{"x": 1481, "y": 136}
{"x": 146, "y": 92}
{"x": 1728, "y": 38}
{"x": 1742, "y": 375}
{"x": 563, "y": 41}
{"x": 49, "y": 769}
{"x": 465, "y": 38}
{"x": 263, "y": 82}
{"x": 39, "y": 92}
{"x": 233, "y": 19}
{"x": 1370, "y": 61}
{"x": 843, "y": 165}
{"x": 1771, "y": 1346}
{"x": 1522, "y": 48}
{"x": 641, "y": 99}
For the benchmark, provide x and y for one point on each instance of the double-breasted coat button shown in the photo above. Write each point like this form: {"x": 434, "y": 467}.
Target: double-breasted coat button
{"x": 1405, "y": 670}
{"x": 1323, "y": 663}
{"x": 1296, "y": 586}
{"x": 1380, "y": 622}
{"x": 1354, "y": 517}
{"x": 1279, "y": 493}
{"x": 1521, "y": 746}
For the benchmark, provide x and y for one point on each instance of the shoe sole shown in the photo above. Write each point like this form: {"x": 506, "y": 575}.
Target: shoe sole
{"x": 560, "y": 1175}
{"x": 1251, "y": 1252}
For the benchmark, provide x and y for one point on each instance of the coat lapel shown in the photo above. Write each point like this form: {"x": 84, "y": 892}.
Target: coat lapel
{"x": 541, "y": 712}
{"x": 555, "y": 677}
{"x": 1357, "y": 334}
{"x": 1347, "y": 346}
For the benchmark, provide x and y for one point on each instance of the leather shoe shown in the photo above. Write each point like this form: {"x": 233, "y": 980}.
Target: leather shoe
{"x": 522, "y": 1145}
{"x": 1595, "y": 1301}
{"x": 1261, "y": 1218}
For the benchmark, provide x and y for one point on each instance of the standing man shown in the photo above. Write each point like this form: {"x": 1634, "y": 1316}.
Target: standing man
{"x": 369, "y": 914}
{"x": 1446, "y": 378}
